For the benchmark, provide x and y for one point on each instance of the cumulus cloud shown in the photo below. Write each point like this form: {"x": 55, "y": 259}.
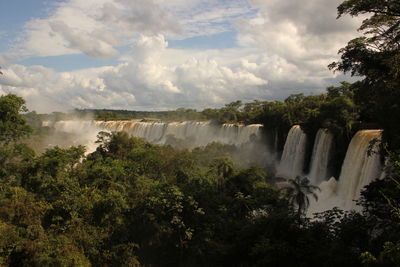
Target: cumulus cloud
{"x": 197, "y": 82}
{"x": 284, "y": 47}
{"x": 140, "y": 82}
{"x": 94, "y": 27}
{"x": 297, "y": 40}
{"x": 97, "y": 27}
{"x": 298, "y": 29}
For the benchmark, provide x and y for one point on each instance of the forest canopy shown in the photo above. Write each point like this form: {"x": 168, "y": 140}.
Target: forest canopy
{"x": 132, "y": 203}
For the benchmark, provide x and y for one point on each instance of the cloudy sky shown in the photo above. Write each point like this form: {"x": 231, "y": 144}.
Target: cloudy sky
{"x": 165, "y": 54}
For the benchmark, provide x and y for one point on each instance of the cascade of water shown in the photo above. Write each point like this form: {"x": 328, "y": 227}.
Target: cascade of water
{"x": 201, "y": 133}
{"x": 359, "y": 167}
{"x": 292, "y": 160}
{"x": 321, "y": 154}
{"x": 198, "y": 133}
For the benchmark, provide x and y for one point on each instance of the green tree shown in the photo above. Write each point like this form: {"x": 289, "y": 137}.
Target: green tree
{"x": 224, "y": 169}
{"x": 12, "y": 128}
{"x": 251, "y": 111}
{"x": 12, "y": 124}
{"x": 381, "y": 201}
{"x": 375, "y": 56}
{"x": 297, "y": 192}
{"x": 372, "y": 53}
{"x": 338, "y": 112}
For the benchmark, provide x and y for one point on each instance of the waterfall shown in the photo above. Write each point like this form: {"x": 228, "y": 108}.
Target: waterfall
{"x": 292, "y": 160}
{"x": 320, "y": 158}
{"x": 193, "y": 133}
{"x": 198, "y": 133}
{"x": 359, "y": 167}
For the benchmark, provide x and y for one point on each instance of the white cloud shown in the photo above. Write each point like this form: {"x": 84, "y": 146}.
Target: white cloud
{"x": 296, "y": 40}
{"x": 147, "y": 81}
{"x": 285, "y": 47}
{"x": 304, "y": 33}
{"x": 94, "y": 27}
{"x": 98, "y": 27}
{"x": 197, "y": 82}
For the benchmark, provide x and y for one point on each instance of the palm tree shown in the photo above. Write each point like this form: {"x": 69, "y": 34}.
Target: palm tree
{"x": 297, "y": 191}
{"x": 224, "y": 169}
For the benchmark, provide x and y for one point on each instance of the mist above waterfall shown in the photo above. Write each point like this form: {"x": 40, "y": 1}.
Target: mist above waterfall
{"x": 82, "y": 132}
{"x": 77, "y": 130}
{"x": 199, "y": 133}
{"x": 248, "y": 141}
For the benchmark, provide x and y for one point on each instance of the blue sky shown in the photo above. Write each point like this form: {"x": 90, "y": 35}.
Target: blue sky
{"x": 159, "y": 54}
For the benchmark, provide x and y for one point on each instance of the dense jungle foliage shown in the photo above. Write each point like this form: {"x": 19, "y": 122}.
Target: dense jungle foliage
{"x": 131, "y": 203}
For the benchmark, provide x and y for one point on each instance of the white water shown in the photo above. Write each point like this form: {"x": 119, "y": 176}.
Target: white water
{"x": 293, "y": 156}
{"x": 198, "y": 133}
{"x": 193, "y": 133}
{"x": 358, "y": 170}
{"x": 321, "y": 156}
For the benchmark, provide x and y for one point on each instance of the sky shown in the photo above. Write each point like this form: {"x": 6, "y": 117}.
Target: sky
{"x": 166, "y": 54}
